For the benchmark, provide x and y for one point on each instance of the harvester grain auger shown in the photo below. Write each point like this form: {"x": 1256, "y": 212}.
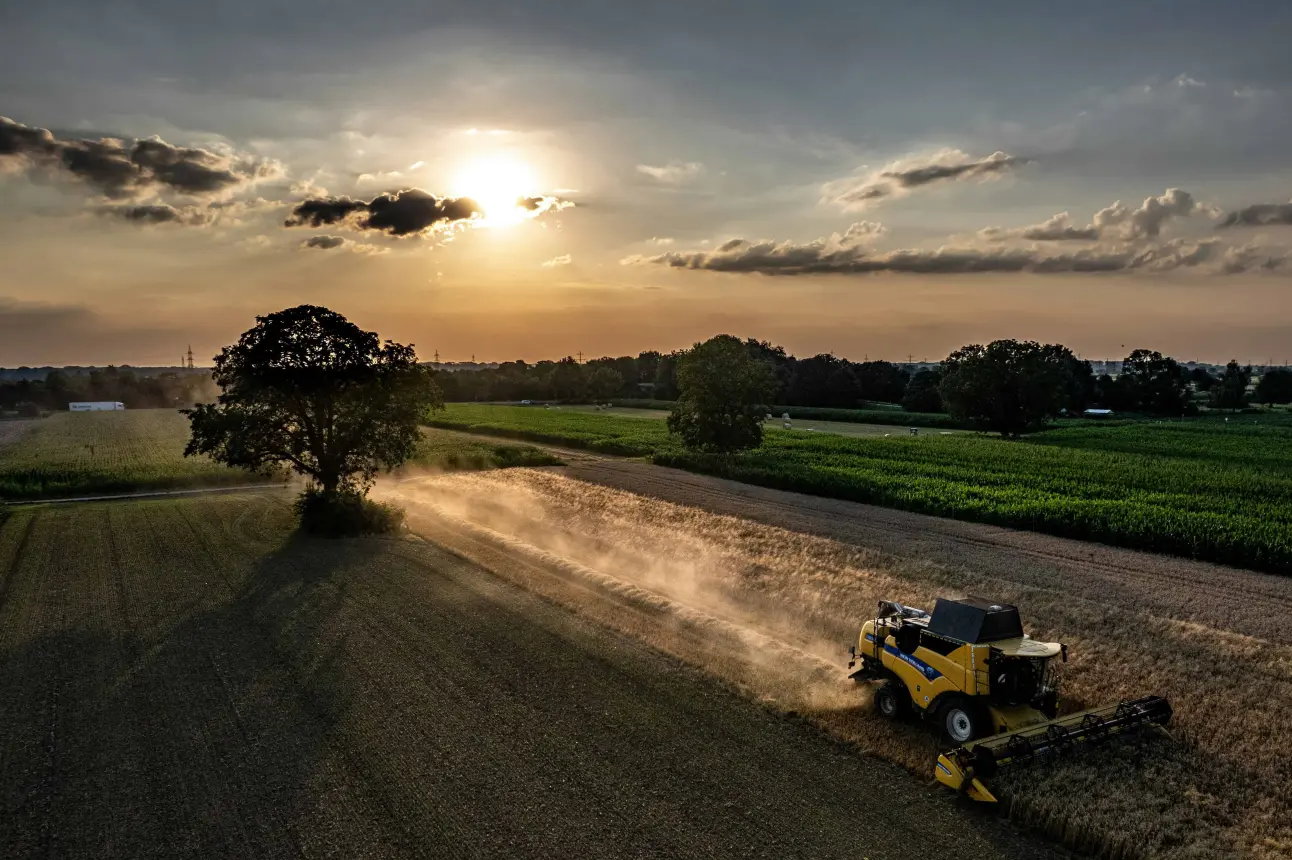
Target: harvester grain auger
{"x": 992, "y": 689}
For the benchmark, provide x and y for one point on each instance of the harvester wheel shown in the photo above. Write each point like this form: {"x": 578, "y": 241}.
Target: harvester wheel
{"x": 891, "y": 700}
{"x": 962, "y": 721}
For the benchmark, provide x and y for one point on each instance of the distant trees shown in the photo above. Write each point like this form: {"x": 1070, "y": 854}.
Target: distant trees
{"x": 922, "y": 394}
{"x": 1275, "y": 386}
{"x": 567, "y": 380}
{"x": 1230, "y": 391}
{"x": 723, "y": 396}
{"x": 309, "y": 390}
{"x": 1007, "y": 386}
{"x": 1157, "y": 383}
{"x": 604, "y": 383}
{"x": 59, "y": 387}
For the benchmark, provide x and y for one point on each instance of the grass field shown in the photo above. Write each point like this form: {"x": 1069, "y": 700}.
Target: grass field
{"x": 1205, "y": 489}
{"x": 184, "y": 678}
{"x": 87, "y": 453}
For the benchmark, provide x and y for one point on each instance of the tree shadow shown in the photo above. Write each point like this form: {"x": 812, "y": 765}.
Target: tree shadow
{"x": 212, "y": 738}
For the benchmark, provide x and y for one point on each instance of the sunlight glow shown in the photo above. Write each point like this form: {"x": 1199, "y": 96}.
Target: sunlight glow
{"x": 497, "y": 183}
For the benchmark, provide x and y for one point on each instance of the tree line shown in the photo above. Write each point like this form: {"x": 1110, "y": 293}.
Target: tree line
{"x": 1008, "y": 387}
{"x": 1150, "y": 383}
{"x": 30, "y": 397}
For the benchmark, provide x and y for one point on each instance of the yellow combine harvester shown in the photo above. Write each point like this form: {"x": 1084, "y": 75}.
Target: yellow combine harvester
{"x": 992, "y": 689}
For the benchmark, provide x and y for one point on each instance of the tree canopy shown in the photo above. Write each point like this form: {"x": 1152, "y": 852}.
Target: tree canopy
{"x": 1275, "y": 386}
{"x": 723, "y": 396}
{"x": 309, "y": 390}
{"x": 1158, "y": 384}
{"x": 1008, "y": 386}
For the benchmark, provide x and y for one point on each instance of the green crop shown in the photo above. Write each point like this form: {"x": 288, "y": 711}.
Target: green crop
{"x": 1202, "y": 489}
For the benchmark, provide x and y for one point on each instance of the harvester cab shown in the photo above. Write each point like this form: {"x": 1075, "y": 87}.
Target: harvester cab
{"x": 990, "y": 688}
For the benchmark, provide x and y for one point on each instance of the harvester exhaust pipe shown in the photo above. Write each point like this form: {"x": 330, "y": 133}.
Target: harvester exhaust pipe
{"x": 965, "y": 767}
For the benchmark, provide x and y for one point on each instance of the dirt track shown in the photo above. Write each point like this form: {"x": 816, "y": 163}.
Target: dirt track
{"x": 182, "y": 679}
{"x": 1163, "y": 585}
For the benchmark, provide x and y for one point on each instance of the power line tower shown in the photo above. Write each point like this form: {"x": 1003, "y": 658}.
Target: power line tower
{"x": 580, "y": 354}
{"x": 437, "y": 357}
{"x": 189, "y": 357}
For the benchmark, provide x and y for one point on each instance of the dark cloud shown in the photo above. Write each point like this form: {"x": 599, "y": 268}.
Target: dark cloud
{"x": 825, "y": 257}
{"x": 951, "y": 167}
{"x": 161, "y": 213}
{"x": 1260, "y": 215}
{"x": 902, "y": 177}
{"x": 324, "y": 242}
{"x": 120, "y": 171}
{"x": 402, "y": 213}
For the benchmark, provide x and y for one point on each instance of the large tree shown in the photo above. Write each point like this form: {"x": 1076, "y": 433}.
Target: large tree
{"x": 1007, "y": 386}
{"x": 309, "y": 390}
{"x": 723, "y": 396}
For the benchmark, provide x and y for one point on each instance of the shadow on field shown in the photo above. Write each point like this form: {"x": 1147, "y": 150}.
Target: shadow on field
{"x": 211, "y": 737}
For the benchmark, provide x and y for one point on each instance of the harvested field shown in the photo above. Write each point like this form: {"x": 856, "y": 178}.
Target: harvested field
{"x": 766, "y": 590}
{"x": 185, "y": 678}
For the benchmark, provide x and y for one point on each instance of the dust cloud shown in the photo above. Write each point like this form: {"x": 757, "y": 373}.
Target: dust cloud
{"x": 768, "y": 610}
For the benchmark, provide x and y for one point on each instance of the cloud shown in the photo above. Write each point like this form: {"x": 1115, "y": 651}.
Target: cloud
{"x": 1058, "y": 228}
{"x": 401, "y": 213}
{"x": 901, "y": 177}
{"x": 540, "y": 205}
{"x": 1146, "y": 221}
{"x": 661, "y": 240}
{"x": 1259, "y": 215}
{"x": 1246, "y": 258}
{"x": 824, "y": 257}
{"x": 120, "y": 170}
{"x": 329, "y": 243}
{"x": 412, "y": 212}
{"x": 161, "y": 213}
{"x": 1115, "y": 221}
{"x": 324, "y": 242}
{"x": 861, "y": 232}
{"x": 673, "y": 173}
{"x": 563, "y": 260}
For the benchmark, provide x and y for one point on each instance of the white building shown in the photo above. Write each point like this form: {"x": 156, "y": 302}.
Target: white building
{"x": 96, "y": 406}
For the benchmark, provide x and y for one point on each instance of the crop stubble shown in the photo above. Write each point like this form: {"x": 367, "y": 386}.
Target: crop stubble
{"x": 769, "y": 610}
{"x": 183, "y": 678}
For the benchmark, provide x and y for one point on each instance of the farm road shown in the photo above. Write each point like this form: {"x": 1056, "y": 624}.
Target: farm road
{"x": 1202, "y": 592}
{"x": 182, "y": 678}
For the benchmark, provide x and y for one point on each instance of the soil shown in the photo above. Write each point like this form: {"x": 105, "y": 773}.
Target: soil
{"x": 185, "y": 678}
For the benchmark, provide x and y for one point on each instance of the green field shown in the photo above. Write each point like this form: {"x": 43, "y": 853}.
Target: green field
{"x": 87, "y": 453}
{"x": 1203, "y": 489}
{"x": 71, "y": 453}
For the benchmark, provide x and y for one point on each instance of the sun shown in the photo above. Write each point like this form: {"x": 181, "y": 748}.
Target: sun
{"x": 496, "y": 183}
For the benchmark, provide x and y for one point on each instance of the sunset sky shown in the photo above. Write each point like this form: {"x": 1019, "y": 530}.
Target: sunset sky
{"x": 533, "y": 179}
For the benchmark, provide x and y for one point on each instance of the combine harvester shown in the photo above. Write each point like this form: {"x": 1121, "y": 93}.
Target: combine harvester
{"x": 992, "y": 689}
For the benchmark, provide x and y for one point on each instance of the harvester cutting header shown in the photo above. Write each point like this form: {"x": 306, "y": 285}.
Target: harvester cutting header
{"x": 991, "y": 689}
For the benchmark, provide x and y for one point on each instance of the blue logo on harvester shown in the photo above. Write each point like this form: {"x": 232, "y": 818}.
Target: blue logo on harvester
{"x": 923, "y": 668}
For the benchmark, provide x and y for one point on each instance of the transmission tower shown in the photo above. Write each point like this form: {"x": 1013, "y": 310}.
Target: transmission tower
{"x": 189, "y": 356}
